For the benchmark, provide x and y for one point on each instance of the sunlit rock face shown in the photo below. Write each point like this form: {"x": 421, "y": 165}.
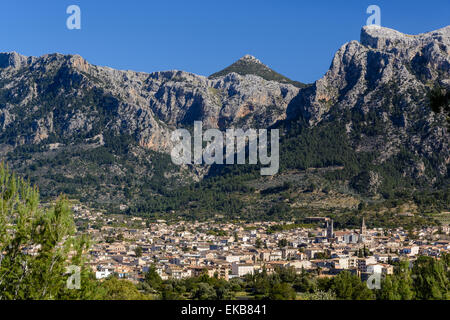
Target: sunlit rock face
{"x": 382, "y": 82}
{"x": 376, "y": 89}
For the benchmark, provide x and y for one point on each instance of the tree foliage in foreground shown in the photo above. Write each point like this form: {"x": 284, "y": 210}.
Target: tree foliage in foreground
{"x": 37, "y": 245}
{"x": 35, "y": 242}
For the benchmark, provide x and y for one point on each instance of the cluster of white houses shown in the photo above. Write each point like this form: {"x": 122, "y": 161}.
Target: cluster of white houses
{"x": 185, "y": 249}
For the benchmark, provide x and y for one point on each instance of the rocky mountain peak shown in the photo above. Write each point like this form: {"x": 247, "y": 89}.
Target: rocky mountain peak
{"x": 371, "y": 35}
{"x": 12, "y": 59}
{"x": 249, "y": 65}
{"x": 250, "y": 59}
{"x": 65, "y": 114}
{"x": 386, "y": 39}
{"x": 385, "y": 79}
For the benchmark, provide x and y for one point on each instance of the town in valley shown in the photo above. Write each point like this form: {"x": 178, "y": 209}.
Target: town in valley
{"x": 127, "y": 246}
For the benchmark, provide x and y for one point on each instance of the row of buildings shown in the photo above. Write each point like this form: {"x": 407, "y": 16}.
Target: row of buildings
{"x": 129, "y": 246}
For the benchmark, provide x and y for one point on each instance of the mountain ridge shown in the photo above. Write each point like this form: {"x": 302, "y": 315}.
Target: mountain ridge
{"x": 103, "y": 135}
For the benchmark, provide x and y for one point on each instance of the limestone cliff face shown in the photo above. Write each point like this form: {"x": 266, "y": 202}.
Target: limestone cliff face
{"x": 145, "y": 106}
{"x": 380, "y": 82}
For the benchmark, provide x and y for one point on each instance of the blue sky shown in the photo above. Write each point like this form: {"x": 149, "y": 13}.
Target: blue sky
{"x": 296, "y": 38}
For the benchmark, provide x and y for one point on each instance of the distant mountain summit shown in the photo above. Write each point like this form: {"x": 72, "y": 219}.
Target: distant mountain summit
{"x": 248, "y": 64}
